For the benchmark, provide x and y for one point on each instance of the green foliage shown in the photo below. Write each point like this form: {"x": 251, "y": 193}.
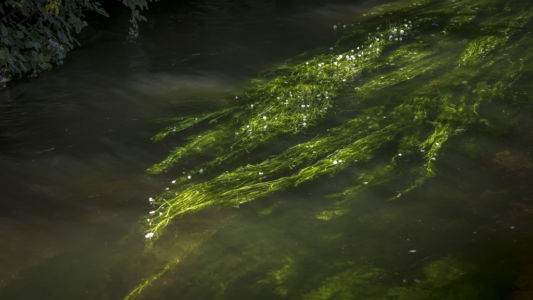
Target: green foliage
{"x": 37, "y": 35}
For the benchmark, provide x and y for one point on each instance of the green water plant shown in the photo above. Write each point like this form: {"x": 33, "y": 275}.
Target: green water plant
{"x": 381, "y": 105}
{"x": 370, "y": 74}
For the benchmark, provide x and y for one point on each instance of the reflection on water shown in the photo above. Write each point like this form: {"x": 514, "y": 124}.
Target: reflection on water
{"x": 74, "y": 145}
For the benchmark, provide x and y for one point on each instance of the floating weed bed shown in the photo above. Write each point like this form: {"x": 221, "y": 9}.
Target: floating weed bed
{"x": 406, "y": 79}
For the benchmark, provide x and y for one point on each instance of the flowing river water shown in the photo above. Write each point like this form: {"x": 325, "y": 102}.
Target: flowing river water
{"x": 75, "y": 146}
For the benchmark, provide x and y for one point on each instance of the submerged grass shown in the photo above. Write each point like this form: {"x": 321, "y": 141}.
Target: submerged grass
{"x": 296, "y": 101}
{"x": 468, "y": 54}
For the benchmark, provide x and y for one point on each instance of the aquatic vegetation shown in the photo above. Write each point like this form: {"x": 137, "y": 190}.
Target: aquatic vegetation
{"x": 353, "y": 283}
{"x": 300, "y": 99}
{"x": 368, "y": 283}
{"x": 383, "y": 103}
{"x": 287, "y": 104}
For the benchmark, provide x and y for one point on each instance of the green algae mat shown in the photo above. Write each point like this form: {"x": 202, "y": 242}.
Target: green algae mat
{"x": 341, "y": 173}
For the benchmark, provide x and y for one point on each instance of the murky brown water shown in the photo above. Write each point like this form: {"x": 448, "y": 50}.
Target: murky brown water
{"x": 75, "y": 142}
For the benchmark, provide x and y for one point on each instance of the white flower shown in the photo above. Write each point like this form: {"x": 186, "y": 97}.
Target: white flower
{"x": 264, "y": 117}
{"x": 152, "y": 212}
{"x": 335, "y": 162}
{"x": 151, "y": 199}
{"x": 189, "y": 177}
{"x": 260, "y": 173}
{"x": 173, "y": 181}
{"x": 149, "y": 235}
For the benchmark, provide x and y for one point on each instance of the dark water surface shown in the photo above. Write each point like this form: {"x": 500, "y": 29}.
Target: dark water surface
{"x": 75, "y": 143}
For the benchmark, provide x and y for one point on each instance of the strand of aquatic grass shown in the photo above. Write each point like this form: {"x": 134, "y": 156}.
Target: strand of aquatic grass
{"x": 300, "y": 154}
{"x": 317, "y": 149}
{"x": 189, "y": 248}
{"x": 245, "y": 184}
{"x": 224, "y": 133}
{"x": 392, "y": 78}
{"x": 466, "y": 114}
{"x": 337, "y": 137}
{"x": 216, "y": 191}
{"x": 147, "y": 281}
{"x": 197, "y": 197}
{"x": 443, "y": 132}
{"x": 225, "y": 192}
{"x": 411, "y": 61}
{"x": 287, "y": 104}
{"x": 189, "y": 121}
